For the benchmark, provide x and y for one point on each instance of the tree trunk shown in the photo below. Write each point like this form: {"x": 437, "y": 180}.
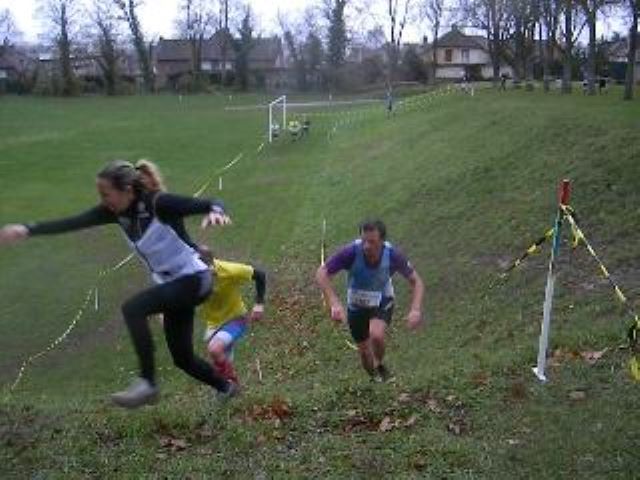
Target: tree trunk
{"x": 519, "y": 61}
{"x": 494, "y": 43}
{"x": 544, "y": 56}
{"x": 224, "y": 47}
{"x": 568, "y": 48}
{"x": 64, "y": 46}
{"x": 434, "y": 65}
{"x": 139, "y": 44}
{"x": 633, "y": 48}
{"x": 529, "y": 58}
{"x": 591, "y": 60}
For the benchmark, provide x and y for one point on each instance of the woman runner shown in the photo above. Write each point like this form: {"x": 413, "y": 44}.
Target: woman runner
{"x": 152, "y": 222}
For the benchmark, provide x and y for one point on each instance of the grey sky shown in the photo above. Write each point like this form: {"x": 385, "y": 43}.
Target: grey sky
{"x": 158, "y": 17}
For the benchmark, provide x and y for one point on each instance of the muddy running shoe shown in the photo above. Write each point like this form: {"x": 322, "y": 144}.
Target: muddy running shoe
{"x": 384, "y": 373}
{"x": 140, "y": 392}
{"x": 375, "y": 377}
{"x": 233, "y": 389}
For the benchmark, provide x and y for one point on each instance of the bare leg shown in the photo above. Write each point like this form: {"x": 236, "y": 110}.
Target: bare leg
{"x": 366, "y": 356}
{"x": 377, "y": 330}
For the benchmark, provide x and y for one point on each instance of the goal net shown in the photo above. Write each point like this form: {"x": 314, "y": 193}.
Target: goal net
{"x": 277, "y": 117}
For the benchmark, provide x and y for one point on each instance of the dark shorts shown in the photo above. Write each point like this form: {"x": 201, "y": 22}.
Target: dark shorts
{"x": 359, "y": 318}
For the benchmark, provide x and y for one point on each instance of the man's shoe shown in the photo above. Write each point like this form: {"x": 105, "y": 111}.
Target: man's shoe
{"x": 140, "y": 392}
{"x": 384, "y": 373}
{"x": 233, "y": 389}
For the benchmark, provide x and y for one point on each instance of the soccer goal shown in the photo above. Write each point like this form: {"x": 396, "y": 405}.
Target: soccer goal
{"x": 275, "y": 107}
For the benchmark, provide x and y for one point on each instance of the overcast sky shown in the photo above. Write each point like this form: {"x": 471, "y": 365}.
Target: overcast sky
{"x": 158, "y": 16}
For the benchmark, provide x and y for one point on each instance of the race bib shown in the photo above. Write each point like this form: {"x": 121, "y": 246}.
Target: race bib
{"x": 364, "y": 298}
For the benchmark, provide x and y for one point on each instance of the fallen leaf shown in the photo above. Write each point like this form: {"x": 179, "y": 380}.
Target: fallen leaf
{"x": 578, "y": 395}
{"x": 518, "y": 390}
{"x": 480, "y": 379}
{"x": 419, "y": 463}
{"x": 404, "y": 398}
{"x": 411, "y": 421}
{"x": 432, "y": 405}
{"x": 385, "y": 424}
{"x": 454, "y": 428}
{"x": 173, "y": 444}
{"x": 593, "y": 357}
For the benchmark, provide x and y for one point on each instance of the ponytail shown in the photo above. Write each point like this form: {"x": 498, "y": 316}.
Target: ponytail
{"x": 150, "y": 176}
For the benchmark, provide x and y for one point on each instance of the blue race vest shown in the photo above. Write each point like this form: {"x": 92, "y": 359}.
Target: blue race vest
{"x": 367, "y": 286}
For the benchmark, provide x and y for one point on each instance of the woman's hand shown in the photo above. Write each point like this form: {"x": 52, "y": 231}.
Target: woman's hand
{"x": 215, "y": 218}
{"x": 15, "y": 233}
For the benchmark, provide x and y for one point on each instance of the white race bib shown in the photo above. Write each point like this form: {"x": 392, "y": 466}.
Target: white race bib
{"x": 364, "y": 298}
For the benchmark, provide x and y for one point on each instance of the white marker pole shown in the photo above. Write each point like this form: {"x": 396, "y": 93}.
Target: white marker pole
{"x": 539, "y": 369}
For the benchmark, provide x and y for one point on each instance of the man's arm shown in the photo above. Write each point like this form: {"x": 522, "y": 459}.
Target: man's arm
{"x": 324, "y": 282}
{"x": 414, "y": 319}
{"x": 342, "y": 260}
{"x": 400, "y": 264}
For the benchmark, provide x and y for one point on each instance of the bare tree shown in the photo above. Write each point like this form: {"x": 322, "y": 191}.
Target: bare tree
{"x": 523, "y": 17}
{"x": 304, "y": 46}
{"x": 375, "y": 38}
{"x": 230, "y": 17}
{"x": 491, "y": 17}
{"x": 224, "y": 29}
{"x": 549, "y": 21}
{"x": 196, "y": 21}
{"x": 9, "y": 32}
{"x": 398, "y": 12}
{"x": 291, "y": 32}
{"x": 433, "y": 12}
{"x": 129, "y": 13}
{"x": 243, "y": 47}
{"x": 570, "y": 33}
{"x": 634, "y": 10}
{"x": 104, "y": 18}
{"x": 62, "y": 16}
{"x": 337, "y": 37}
{"x": 591, "y": 9}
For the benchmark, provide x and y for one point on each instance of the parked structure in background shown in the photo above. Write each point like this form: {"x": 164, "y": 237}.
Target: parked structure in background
{"x": 173, "y": 61}
{"x": 617, "y": 53}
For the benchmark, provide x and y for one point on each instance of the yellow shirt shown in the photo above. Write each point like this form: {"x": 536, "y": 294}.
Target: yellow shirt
{"x": 225, "y": 302}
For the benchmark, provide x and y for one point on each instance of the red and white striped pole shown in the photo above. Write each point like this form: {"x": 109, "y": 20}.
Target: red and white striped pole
{"x": 563, "y": 199}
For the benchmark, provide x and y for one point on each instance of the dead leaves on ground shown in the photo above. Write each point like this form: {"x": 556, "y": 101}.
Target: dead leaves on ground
{"x": 276, "y": 410}
{"x": 172, "y": 440}
{"x": 408, "y": 409}
{"x": 359, "y": 422}
{"x": 560, "y": 355}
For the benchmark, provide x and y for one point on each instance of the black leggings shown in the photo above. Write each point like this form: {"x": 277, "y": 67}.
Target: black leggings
{"x": 177, "y": 301}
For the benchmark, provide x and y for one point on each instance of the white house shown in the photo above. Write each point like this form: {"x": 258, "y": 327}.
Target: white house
{"x": 618, "y": 52}
{"x": 459, "y": 54}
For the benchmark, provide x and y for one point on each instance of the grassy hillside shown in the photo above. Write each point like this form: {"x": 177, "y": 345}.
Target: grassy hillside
{"x": 464, "y": 185}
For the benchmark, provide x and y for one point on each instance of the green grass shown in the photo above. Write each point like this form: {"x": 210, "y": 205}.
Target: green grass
{"x": 464, "y": 185}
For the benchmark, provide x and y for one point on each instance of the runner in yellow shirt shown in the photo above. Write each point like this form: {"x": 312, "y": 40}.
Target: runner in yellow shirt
{"x": 225, "y": 313}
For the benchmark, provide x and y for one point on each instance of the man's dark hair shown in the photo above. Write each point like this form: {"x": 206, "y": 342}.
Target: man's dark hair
{"x": 374, "y": 226}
